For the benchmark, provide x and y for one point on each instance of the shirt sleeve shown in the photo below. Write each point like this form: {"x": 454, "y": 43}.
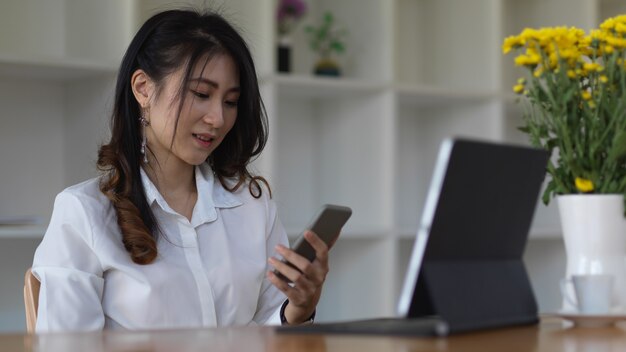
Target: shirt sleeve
{"x": 69, "y": 271}
{"x": 271, "y": 298}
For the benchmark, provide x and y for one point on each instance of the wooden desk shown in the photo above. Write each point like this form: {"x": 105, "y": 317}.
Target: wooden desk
{"x": 549, "y": 336}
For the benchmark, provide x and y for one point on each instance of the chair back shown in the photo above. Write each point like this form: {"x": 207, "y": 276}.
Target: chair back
{"x": 31, "y": 300}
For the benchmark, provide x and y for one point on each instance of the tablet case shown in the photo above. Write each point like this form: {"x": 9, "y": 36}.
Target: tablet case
{"x": 472, "y": 274}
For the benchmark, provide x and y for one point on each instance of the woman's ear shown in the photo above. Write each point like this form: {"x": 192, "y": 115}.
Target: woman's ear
{"x": 142, "y": 87}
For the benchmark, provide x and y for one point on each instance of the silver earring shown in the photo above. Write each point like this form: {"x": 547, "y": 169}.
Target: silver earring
{"x": 144, "y": 122}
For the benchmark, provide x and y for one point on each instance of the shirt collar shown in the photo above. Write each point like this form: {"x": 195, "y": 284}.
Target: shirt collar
{"x": 206, "y": 179}
{"x": 152, "y": 193}
{"x": 211, "y": 195}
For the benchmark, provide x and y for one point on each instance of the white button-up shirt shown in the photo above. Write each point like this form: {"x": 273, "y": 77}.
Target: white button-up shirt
{"x": 208, "y": 272}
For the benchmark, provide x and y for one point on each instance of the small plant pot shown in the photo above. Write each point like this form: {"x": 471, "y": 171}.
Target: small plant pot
{"x": 284, "y": 55}
{"x": 327, "y": 67}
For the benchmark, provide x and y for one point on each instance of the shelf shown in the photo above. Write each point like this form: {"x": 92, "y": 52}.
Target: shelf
{"x": 407, "y": 234}
{"x": 22, "y": 232}
{"x": 312, "y": 87}
{"x": 431, "y": 97}
{"x": 545, "y": 234}
{"x": 52, "y": 68}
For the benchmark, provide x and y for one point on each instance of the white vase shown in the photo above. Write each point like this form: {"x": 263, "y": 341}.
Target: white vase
{"x": 594, "y": 232}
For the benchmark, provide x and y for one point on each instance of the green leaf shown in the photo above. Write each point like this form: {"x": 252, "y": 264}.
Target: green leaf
{"x": 550, "y": 188}
{"x": 551, "y": 144}
{"x": 618, "y": 151}
{"x": 338, "y": 47}
{"x": 328, "y": 17}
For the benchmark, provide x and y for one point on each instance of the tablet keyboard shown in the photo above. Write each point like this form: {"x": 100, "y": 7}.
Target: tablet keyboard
{"x": 426, "y": 326}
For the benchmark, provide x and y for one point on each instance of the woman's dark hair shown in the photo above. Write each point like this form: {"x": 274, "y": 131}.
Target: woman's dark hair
{"x": 167, "y": 42}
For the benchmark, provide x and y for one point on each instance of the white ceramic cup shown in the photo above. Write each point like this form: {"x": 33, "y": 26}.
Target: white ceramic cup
{"x": 592, "y": 293}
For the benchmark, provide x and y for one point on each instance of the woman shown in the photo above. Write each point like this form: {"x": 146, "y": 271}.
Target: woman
{"x": 176, "y": 232}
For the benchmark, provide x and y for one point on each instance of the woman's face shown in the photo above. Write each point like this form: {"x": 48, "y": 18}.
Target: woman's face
{"x": 207, "y": 115}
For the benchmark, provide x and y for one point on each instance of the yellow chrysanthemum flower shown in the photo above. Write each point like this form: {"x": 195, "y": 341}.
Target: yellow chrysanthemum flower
{"x": 584, "y": 185}
{"x": 586, "y": 95}
{"x": 511, "y": 42}
{"x": 562, "y": 60}
{"x": 591, "y": 66}
{"x": 618, "y": 43}
{"x": 608, "y": 24}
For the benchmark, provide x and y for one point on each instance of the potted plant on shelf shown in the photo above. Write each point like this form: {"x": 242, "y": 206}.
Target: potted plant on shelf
{"x": 325, "y": 40}
{"x": 576, "y": 109}
{"x": 288, "y": 14}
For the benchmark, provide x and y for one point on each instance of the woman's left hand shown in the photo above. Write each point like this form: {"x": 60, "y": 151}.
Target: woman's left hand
{"x": 305, "y": 292}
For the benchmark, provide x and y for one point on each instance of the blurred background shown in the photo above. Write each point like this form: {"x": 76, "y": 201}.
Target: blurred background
{"x": 356, "y": 114}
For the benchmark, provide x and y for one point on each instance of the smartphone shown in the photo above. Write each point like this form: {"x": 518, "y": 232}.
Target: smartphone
{"x": 326, "y": 224}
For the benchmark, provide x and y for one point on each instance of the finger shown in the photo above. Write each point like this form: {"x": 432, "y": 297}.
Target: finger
{"x": 287, "y": 270}
{"x": 303, "y": 292}
{"x": 296, "y": 296}
{"x": 321, "y": 249}
{"x": 300, "y": 281}
{"x": 294, "y": 258}
{"x": 306, "y": 284}
{"x": 281, "y": 284}
{"x": 317, "y": 273}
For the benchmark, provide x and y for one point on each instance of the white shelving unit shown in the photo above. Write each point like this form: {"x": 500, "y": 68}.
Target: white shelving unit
{"x": 58, "y": 60}
{"x": 416, "y": 71}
